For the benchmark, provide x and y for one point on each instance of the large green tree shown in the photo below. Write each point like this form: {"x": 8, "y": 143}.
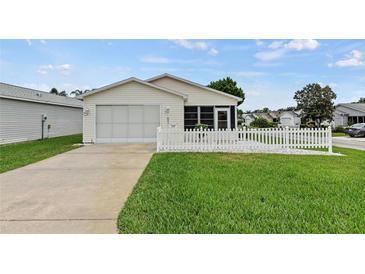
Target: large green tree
{"x": 316, "y": 102}
{"x": 228, "y": 85}
{"x": 361, "y": 100}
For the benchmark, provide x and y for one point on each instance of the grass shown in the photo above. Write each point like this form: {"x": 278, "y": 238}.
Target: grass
{"x": 21, "y": 154}
{"x": 338, "y": 134}
{"x": 248, "y": 193}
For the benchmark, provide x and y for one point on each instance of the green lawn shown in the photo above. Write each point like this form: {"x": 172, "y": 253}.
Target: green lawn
{"x": 248, "y": 193}
{"x": 338, "y": 134}
{"x": 21, "y": 154}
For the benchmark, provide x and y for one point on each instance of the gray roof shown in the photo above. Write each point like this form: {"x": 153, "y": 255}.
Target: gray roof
{"x": 27, "y": 94}
{"x": 355, "y": 106}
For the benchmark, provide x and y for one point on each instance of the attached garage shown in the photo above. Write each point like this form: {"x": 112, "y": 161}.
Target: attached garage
{"x": 127, "y": 123}
{"x": 130, "y": 111}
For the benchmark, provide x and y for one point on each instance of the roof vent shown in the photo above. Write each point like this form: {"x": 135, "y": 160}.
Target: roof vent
{"x": 39, "y": 94}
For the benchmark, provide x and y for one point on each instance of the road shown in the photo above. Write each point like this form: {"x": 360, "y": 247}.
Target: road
{"x": 347, "y": 142}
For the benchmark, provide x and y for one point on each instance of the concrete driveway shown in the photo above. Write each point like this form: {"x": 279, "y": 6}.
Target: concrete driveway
{"x": 348, "y": 142}
{"x": 80, "y": 191}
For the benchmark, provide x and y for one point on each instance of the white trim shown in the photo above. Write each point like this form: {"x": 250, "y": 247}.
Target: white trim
{"x": 40, "y": 102}
{"x": 239, "y": 99}
{"x": 132, "y": 79}
{"x": 216, "y": 110}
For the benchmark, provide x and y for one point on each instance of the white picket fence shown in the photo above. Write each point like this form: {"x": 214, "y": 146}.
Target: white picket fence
{"x": 241, "y": 140}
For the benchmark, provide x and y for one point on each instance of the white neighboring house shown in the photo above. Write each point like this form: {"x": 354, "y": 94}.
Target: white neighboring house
{"x": 348, "y": 114}
{"x": 132, "y": 109}
{"x": 22, "y": 110}
{"x": 291, "y": 119}
{"x": 248, "y": 118}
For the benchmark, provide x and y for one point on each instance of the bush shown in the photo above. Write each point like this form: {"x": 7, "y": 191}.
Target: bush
{"x": 261, "y": 123}
{"x": 339, "y": 129}
{"x": 201, "y": 126}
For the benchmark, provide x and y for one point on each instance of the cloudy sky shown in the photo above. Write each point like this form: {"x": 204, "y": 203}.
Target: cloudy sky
{"x": 269, "y": 71}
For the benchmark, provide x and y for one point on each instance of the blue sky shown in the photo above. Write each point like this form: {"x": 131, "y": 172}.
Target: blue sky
{"x": 269, "y": 71}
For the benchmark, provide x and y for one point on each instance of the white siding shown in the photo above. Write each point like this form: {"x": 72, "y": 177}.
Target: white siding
{"x": 133, "y": 93}
{"x": 21, "y": 120}
{"x": 196, "y": 95}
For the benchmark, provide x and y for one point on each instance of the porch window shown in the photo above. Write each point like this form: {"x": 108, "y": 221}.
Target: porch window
{"x": 190, "y": 116}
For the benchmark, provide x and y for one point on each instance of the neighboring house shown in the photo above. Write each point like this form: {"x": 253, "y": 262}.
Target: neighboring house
{"x": 248, "y": 118}
{"x": 272, "y": 117}
{"x": 132, "y": 109}
{"x": 291, "y": 119}
{"x": 22, "y": 111}
{"x": 349, "y": 114}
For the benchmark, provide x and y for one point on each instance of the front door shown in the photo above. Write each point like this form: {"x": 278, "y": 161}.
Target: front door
{"x": 222, "y": 118}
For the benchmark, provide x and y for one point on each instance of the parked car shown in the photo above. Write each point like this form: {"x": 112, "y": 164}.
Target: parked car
{"x": 357, "y": 130}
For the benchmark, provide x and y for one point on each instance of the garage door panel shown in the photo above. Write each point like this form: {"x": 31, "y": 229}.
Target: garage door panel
{"x": 151, "y": 114}
{"x": 120, "y": 114}
{"x": 150, "y": 130}
{"x": 135, "y": 131}
{"x": 103, "y": 114}
{"x": 120, "y": 131}
{"x": 104, "y": 130}
{"x": 135, "y": 114}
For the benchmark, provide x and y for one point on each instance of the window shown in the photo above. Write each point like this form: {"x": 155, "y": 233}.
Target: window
{"x": 190, "y": 116}
{"x": 207, "y": 116}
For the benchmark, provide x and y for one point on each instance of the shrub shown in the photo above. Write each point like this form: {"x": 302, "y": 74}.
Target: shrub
{"x": 339, "y": 129}
{"x": 201, "y": 126}
{"x": 261, "y": 123}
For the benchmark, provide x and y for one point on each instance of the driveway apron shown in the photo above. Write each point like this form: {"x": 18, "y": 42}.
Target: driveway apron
{"x": 80, "y": 191}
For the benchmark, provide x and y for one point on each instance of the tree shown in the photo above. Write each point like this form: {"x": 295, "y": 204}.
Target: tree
{"x": 260, "y": 123}
{"x": 287, "y": 109}
{"x": 54, "y": 91}
{"x": 316, "y": 102}
{"x": 229, "y": 86}
{"x": 362, "y": 100}
{"x": 78, "y": 92}
{"x": 63, "y": 93}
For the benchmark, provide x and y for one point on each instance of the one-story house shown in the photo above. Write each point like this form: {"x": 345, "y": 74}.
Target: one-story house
{"x": 28, "y": 114}
{"x": 349, "y": 114}
{"x": 291, "y": 119}
{"x": 132, "y": 109}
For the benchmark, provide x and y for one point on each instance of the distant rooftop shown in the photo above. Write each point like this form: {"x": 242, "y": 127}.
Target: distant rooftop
{"x": 355, "y": 106}
{"x": 27, "y": 94}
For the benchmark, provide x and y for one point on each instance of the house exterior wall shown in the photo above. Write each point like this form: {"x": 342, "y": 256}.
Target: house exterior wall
{"x": 133, "y": 93}
{"x": 22, "y": 120}
{"x": 340, "y": 119}
{"x": 196, "y": 96}
{"x": 289, "y": 120}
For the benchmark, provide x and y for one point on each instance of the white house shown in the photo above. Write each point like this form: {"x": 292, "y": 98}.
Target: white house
{"x": 348, "y": 114}
{"x": 27, "y": 114}
{"x": 132, "y": 109}
{"x": 248, "y": 118}
{"x": 290, "y": 119}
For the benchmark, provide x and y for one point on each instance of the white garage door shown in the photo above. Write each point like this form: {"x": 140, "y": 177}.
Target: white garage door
{"x": 119, "y": 124}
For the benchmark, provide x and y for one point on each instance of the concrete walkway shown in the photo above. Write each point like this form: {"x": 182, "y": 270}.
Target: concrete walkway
{"x": 348, "y": 142}
{"x": 80, "y": 191}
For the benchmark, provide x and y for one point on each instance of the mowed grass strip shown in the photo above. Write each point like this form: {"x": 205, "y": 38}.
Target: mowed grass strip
{"x": 248, "y": 193}
{"x": 21, "y": 154}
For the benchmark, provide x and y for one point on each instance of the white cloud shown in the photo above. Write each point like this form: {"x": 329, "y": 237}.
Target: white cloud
{"x": 44, "y": 69}
{"x": 155, "y": 60}
{"x": 300, "y": 44}
{"x": 259, "y": 43}
{"x": 276, "y": 45}
{"x": 213, "y": 52}
{"x": 195, "y": 45}
{"x": 354, "y": 59}
{"x": 64, "y": 69}
{"x": 43, "y": 42}
{"x": 279, "y": 48}
{"x": 191, "y": 45}
{"x": 270, "y": 55}
{"x": 29, "y": 42}
{"x": 250, "y": 73}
